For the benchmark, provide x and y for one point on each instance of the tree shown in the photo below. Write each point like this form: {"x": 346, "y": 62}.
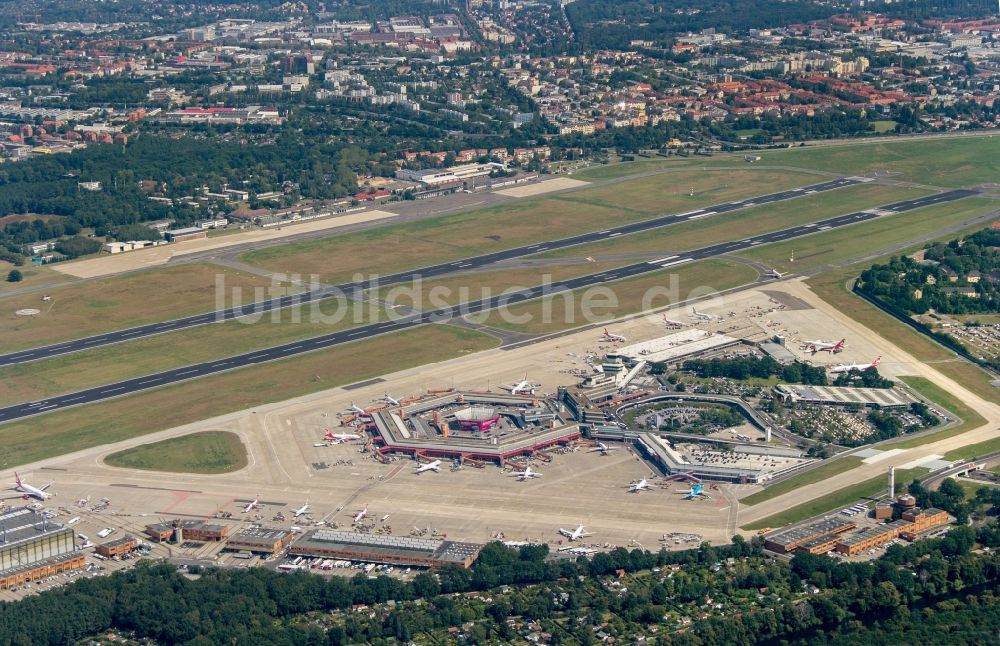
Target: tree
{"x": 14, "y": 276}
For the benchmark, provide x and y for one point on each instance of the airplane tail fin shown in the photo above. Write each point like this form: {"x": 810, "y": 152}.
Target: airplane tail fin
{"x": 17, "y": 479}
{"x": 877, "y": 361}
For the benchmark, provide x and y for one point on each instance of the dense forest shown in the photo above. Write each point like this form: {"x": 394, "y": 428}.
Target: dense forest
{"x": 759, "y": 368}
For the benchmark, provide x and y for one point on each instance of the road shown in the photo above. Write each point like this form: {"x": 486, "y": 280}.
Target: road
{"x": 184, "y": 373}
{"x": 355, "y": 289}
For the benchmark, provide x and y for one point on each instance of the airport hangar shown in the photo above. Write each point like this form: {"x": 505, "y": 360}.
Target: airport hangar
{"x": 34, "y": 547}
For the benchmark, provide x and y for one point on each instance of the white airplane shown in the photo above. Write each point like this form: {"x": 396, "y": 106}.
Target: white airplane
{"x": 527, "y": 474}
{"x": 824, "y": 346}
{"x": 28, "y": 490}
{"x": 847, "y": 367}
{"x": 339, "y": 438}
{"x": 301, "y": 510}
{"x": 575, "y": 534}
{"x": 389, "y": 399}
{"x": 609, "y": 336}
{"x": 430, "y": 466}
{"x": 522, "y": 387}
{"x": 671, "y": 323}
{"x": 361, "y": 515}
{"x": 253, "y": 504}
{"x": 602, "y": 447}
{"x": 693, "y": 492}
{"x": 357, "y": 410}
{"x": 636, "y": 487}
{"x": 384, "y": 518}
{"x": 702, "y": 316}
{"x": 774, "y": 273}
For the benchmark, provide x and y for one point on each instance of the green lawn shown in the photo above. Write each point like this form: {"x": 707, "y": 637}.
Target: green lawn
{"x": 974, "y": 450}
{"x": 820, "y": 473}
{"x": 75, "y": 429}
{"x": 885, "y": 126}
{"x": 970, "y": 418}
{"x": 208, "y": 452}
{"x": 837, "y": 500}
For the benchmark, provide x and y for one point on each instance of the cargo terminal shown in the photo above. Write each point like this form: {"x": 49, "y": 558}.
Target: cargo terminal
{"x": 380, "y": 548}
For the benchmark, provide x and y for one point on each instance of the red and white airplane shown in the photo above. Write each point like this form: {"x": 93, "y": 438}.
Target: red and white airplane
{"x": 847, "y": 367}
{"x": 671, "y": 323}
{"x": 28, "y": 490}
{"x": 338, "y": 438}
{"x": 361, "y": 515}
{"x": 825, "y": 346}
{"x": 253, "y": 504}
{"x": 609, "y": 336}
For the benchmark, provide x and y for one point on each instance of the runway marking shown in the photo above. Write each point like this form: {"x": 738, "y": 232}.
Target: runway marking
{"x": 656, "y": 262}
{"x": 48, "y": 407}
{"x": 73, "y": 399}
{"x": 703, "y": 215}
{"x": 186, "y": 372}
{"x": 114, "y": 390}
{"x": 677, "y": 262}
{"x": 615, "y": 235}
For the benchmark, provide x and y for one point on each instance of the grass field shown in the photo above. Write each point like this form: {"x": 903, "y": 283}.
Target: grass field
{"x": 970, "y": 418}
{"x": 70, "y": 372}
{"x": 33, "y": 276}
{"x": 93, "y": 306}
{"x": 885, "y": 126}
{"x": 566, "y": 310}
{"x": 947, "y": 161}
{"x": 828, "y": 470}
{"x": 746, "y": 222}
{"x": 838, "y": 499}
{"x": 974, "y": 450}
{"x": 75, "y": 429}
{"x": 431, "y": 240}
{"x": 208, "y": 452}
{"x": 838, "y": 245}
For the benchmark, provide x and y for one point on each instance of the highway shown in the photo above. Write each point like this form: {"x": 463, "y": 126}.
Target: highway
{"x": 355, "y": 288}
{"x": 138, "y": 384}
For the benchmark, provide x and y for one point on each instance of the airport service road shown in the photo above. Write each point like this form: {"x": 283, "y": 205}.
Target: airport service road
{"x": 456, "y": 266}
{"x": 138, "y": 384}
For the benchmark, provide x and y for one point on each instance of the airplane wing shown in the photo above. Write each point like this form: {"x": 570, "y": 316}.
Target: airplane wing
{"x": 45, "y": 486}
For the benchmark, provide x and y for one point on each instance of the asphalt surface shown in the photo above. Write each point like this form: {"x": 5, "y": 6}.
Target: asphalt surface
{"x": 355, "y": 289}
{"x": 118, "y": 389}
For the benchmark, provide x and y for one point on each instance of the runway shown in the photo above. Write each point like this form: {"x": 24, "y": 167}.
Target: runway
{"x": 356, "y": 288}
{"x": 138, "y": 384}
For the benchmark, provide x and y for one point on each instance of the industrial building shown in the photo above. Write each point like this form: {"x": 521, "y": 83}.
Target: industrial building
{"x": 188, "y": 530}
{"x": 438, "y": 176}
{"x": 260, "y": 540}
{"x": 673, "y": 349}
{"x": 380, "y": 548}
{"x": 870, "y": 538}
{"x": 841, "y": 396}
{"x": 33, "y": 547}
{"x": 819, "y": 532}
{"x": 118, "y": 547}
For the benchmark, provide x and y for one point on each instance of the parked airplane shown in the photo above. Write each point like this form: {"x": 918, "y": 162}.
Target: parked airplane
{"x": 361, "y": 515}
{"x": 389, "y": 399}
{"x": 575, "y": 534}
{"x": 430, "y": 466}
{"x": 338, "y": 438}
{"x": 28, "y": 490}
{"x": 824, "y": 346}
{"x": 636, "y": 487}
{"x": 357, "y": 410}
{"x": 527, "y": 474}
{"x": 253, "y": 504}
{"x": 602, "y": 447}
{"x": 609, "y": 336}
{"x": 301, "y": 510}
{"x": 774, "y": 273}
{"x": 523, "y": 387}
{"x": 693, "y": 492}
{"x": 702, "y": 316}
{"x": 671, "y": 323}
{"x": 847, "y": 367}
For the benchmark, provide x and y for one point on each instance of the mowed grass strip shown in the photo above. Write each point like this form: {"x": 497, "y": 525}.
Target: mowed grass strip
{"x": 32, "y": 276}
{"x": 616, "y": 299}
{"x": 747, "y": 222}
{"x": 854, "y": 241}
{"x": 432, "y": 240}
{"x": 974, "y": 450}
{"x": 945, "y": 161}
{"x": 970, "y": 419}
{"x": 93, "y": 306}
{"x": 74, "y": 429}
{"x": 80, "y": 370}
{"x": 811, "y": 477}
{"x": 209, "y": 452}
{"x": 837, "y": 500}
